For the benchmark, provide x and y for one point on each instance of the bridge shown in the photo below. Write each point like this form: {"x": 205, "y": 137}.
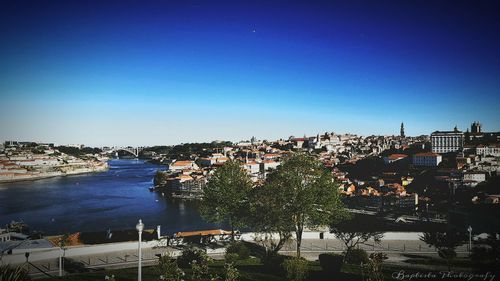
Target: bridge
{"x": 132, "y": 150}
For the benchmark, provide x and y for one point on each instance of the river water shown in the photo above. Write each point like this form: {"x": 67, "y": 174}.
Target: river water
{"x": 115, "y": 199}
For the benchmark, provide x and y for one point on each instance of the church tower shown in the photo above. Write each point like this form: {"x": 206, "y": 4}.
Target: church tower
{"x": 402, "y": 130}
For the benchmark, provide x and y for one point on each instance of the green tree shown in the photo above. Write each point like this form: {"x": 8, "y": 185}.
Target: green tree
{"x": 352, "y": 239}
{"x": 445, "y": 243}
{"x": 310, "y": 196}
{"x": 225, "y": 197}
{"x": 268, "y": 216}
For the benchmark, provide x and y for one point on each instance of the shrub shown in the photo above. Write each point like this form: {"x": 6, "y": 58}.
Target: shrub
{"x": 272, "y": 262}
{"x": 231, "y": 273}
{"x": 189, "y": 255}
{"x": 200, "y": 267}
{"x": 372, "y": 271}
{"x": 231, "y": 258}
{"x": 295, "y": 269}
{"x": 240, "y": 249}
{"x": 356, "y": 256}
{"x": 168, "y": 268}
{"x": 8, "y": 272}
{"x": 331, "y": 263}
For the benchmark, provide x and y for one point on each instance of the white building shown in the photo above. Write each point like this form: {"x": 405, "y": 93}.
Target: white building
{"x": 472, "y": 178}
{"x": 252, "y": 167}
{"x": 427, "y": 159}
{"x": 182, "y": 165}
{"x": 491, "y": 149}
{"x": 447, "y": 141}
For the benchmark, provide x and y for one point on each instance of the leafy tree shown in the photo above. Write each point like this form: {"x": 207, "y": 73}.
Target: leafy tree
{"x": 310, "y": 197}
{"x": 352, "y": 239}
{"x": 268, "y": 216}
{"x": 445, "y": 243}
{"x": 226, "y": 196}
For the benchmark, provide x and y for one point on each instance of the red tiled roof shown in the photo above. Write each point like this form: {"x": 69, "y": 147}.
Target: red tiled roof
{"x": 431, "y": 154}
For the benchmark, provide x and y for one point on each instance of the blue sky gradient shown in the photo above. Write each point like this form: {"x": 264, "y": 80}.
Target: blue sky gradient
{"x": 132, "y": 73}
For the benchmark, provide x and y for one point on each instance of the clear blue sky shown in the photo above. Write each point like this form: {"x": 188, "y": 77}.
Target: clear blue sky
{"x": 146, "y": 73}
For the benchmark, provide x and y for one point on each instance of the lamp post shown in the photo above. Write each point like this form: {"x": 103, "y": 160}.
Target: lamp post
{"x": 470, "y": 238}
{"x": 60, "y": 262}
{"x": 139, "y": 227}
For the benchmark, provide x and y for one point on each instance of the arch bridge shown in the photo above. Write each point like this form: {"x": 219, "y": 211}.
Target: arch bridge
{"x": 132, "y": 150}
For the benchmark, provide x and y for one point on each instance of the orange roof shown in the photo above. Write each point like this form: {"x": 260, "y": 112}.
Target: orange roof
{"x": 397, "y": 156}
{"x": 181, "y": 163}
{"x": 423, "y": 154}
{"x": 271, "y": 155}
{"x": 203, "y": 233}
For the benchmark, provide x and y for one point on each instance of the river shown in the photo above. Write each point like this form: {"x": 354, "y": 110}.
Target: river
{"x": 115, "y": 199}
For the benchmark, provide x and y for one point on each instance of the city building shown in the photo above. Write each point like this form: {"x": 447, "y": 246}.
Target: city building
{"x": 182, "y": 165}
{"x": 472, "y": 178}
{"x": 427, "y": 159}
{"x": 447, "y": 141}
{"x": 487, "y": 150}
{"x": 393, "y": 158}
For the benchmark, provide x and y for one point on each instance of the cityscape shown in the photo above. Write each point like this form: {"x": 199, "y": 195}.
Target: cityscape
{"x": 189, "y": 140}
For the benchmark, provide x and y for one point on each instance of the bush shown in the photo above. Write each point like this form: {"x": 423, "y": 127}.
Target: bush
{"x": 231, "y": 273}
{"x": 240, "y": 249}
{"x": 272, "y": 262}
{"x": 296, "y": 269}
{"x": 168, "y": 269}
{"x": 189, "y": 255}
{"x": 372, "y": 271}
{"x": 231, "y": 258}
{"x": 356, "y": 256}
{"x": 331, "y": 263}
{"x": 11, "y": 273}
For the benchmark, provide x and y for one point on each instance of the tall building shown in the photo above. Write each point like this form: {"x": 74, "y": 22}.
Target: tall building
{"x": 477, "y": 136}
{"x": 402, "y": 130}
{"x": 476, "y": 128}
{"x": 447, "y": 141}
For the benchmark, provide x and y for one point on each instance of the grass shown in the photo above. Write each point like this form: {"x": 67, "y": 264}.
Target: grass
{"x": 463, "y": 262}
{"x": 252, "y": 269}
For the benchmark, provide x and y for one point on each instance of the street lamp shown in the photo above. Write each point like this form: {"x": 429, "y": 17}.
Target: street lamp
{"x": 139, "y": 227}
{"x": 470, "y": 238}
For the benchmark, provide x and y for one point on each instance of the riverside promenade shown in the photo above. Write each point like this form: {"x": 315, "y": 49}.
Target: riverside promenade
{"x": 43, "y": 261}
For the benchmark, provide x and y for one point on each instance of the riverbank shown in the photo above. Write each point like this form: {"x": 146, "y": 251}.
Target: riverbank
{"x": 65, "y": 171}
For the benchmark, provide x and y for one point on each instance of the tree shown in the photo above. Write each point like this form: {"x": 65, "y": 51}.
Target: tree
{"x": 226, "y": 196}
{"x": 353, "y": 239}
{"x": 445, "y": 243}
{"x": 310, "y": 196}
{"x": 268, "y": 216}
